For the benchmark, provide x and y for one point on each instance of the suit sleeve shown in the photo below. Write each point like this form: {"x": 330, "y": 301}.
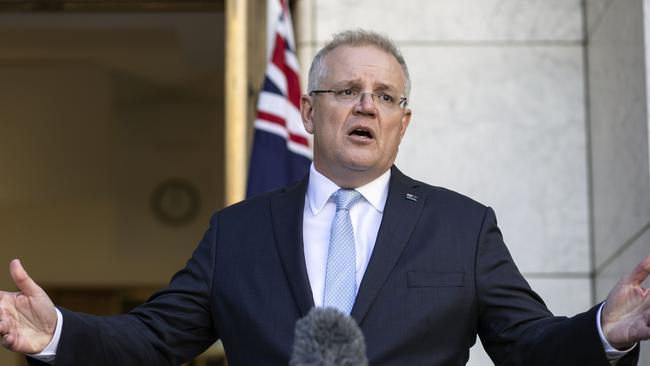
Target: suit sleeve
{"x": 173, "y": 326}
{"x": 515, "y": 326}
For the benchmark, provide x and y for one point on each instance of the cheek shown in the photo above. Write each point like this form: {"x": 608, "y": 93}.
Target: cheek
{"x": 323, "y": 136}
{"x": 392, "y": 141}
{"x": 397, "y": 133}
{"x": 328, "y": 128}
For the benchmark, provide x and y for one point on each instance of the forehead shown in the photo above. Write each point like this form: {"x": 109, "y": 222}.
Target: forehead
{"x": 365, "y": 64}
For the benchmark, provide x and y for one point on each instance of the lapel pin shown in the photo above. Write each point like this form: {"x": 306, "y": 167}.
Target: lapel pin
{"x": 411, "y": 197}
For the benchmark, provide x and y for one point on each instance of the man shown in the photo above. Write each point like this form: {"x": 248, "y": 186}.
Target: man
{"x": 427, "y": 271}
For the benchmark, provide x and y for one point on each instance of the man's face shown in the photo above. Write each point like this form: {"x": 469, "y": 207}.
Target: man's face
{"x": 355, "y": 142}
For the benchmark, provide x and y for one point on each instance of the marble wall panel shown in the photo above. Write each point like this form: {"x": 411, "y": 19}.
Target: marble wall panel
{"x": 453, "y": 20}
{"x": 618, "y": 128}
{"x": 565, "y": 296}
{"x": 594, "y": 11}
{"x": 505, "y": 125}
{"x": 621, "y": 202}
{"x": 624, "y": 263}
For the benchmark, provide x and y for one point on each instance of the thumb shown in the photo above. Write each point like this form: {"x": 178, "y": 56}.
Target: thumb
{"x": 22, "y": 279}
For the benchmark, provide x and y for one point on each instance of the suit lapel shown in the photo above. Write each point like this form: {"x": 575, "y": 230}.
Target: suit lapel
{"x": 287, "y": 214}
{"x": 402, "y": 210}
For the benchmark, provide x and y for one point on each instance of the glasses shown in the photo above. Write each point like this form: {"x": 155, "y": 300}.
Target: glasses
{"x": 384, "y": 100}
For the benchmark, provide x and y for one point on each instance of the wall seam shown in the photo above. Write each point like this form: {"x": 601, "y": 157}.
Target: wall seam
{"x": 626, "y": 245}
{"x": 589, "y": 156}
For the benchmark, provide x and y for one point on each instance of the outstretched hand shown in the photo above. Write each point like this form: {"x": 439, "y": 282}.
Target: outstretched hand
{"x": 626, "y": 315}
{"x": 27, "y": 317}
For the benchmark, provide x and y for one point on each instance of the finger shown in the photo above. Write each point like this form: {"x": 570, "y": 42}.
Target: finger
{"x": 8, "y": 341}
{"x": 22, "y": 279}
{"x": 641, "y": 272}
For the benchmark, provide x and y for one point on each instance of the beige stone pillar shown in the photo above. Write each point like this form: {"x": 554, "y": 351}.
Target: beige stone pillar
{"x": 236, "y": 101}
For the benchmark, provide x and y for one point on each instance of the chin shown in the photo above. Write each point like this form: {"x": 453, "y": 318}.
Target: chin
{"x": 358, "y": 165}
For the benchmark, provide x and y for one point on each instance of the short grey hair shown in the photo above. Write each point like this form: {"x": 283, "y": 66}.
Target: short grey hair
{"x": 357, "y": 37}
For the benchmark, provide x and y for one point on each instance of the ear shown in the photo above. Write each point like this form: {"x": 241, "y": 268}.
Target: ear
{"x": 406, "y": 119}
{"x": 307, "y": 112}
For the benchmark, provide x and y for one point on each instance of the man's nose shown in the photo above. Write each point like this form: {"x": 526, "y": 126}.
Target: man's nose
{"x": 367, "y": 104}
{"x": 367, "y": 96}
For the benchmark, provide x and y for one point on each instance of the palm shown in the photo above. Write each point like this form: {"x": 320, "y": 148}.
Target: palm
{"x": 625, "y": 316}
{"x": 28, "y": 317}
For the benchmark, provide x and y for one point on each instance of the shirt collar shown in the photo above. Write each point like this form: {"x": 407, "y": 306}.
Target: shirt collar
{"x": 320, "y": 188}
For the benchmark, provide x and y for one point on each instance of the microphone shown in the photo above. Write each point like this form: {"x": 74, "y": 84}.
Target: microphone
{"x": 327, "y": 337}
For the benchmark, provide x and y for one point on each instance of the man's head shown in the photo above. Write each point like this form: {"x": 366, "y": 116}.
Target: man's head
{"x": 356, "y": 107}
{"x": 359, "y": 37}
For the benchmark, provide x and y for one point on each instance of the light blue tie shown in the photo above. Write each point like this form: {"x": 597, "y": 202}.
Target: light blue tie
{"x": 341, "y": 276}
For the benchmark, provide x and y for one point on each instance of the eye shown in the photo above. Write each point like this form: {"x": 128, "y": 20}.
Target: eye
{"x": 346, "y": 93}
{"x": 386, "y": 98}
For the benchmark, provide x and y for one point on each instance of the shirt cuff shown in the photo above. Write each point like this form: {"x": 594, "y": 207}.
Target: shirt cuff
{"x": 613, "y": 354}
{"x": 48, "y": 355}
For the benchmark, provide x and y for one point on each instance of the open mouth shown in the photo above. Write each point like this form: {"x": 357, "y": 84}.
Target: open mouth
{"x": 361, "y": 132}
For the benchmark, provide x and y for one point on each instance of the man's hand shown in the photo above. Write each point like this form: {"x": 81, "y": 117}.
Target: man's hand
{"x": 626, "y": 315}
{"x": 28, "y": 317}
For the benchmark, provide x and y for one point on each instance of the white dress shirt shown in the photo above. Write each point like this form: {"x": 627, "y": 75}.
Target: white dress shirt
{"x": 317, "y": 220}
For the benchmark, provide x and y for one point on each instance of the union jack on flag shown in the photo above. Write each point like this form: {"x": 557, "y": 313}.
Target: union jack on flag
{"x": 281, "y": 147}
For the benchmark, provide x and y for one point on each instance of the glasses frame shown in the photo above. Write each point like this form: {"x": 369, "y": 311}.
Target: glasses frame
{"x": 402, "y": 103}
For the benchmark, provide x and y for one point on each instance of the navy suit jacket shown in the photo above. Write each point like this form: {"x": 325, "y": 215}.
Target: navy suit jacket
{"x": 439, "y": 275}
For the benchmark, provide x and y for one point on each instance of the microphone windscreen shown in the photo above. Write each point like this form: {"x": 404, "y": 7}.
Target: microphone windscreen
{"x": 327, "y": 337}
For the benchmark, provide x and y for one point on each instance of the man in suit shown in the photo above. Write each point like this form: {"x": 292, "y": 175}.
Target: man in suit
{"x": 428, "y": 269}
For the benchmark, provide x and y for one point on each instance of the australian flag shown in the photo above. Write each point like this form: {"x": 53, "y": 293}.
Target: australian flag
{"x": 281, "y": 147}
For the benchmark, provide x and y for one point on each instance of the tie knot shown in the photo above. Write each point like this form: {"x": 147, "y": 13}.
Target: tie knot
{"x": 346, "y": 198}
